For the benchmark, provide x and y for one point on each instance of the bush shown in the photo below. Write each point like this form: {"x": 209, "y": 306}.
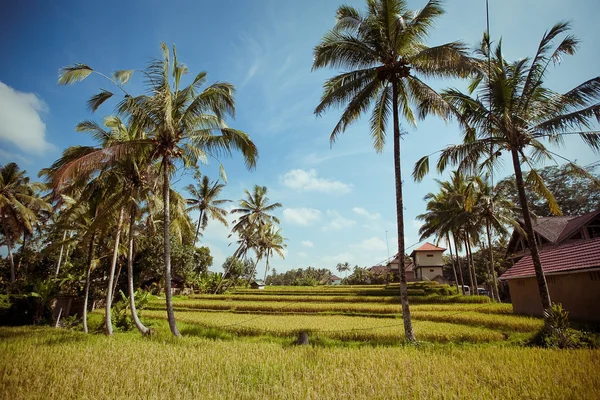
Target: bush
{"x": 122, "y": 312}
{"x": 557, "y": 332}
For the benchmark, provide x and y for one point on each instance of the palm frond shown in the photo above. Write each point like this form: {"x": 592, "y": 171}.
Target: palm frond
{"x": 96, "y": 101}
{"x": 123, "y": 75}
{"x": 73, "y": 73}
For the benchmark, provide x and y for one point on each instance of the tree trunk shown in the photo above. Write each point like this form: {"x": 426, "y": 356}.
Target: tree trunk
{"x": 198, "y": 228}
{"x": 469, "y": 264}
{"x": 111, "y": 276}
{"x": 167, "y": 248}
{"x": 495, "y": 293}
{"x": 472, "y": 263}
{"x": 13, "y": 277}
{"x": 116, "y": 282}
{"x": 87, "y": 280}
{"x": 452, "y": 259}
{"x": 60, "y": 255}
{"x": 23, "y": 246}
{"x": 266, "y": 269}
{"x": 535, "y": 255}
{"x": 408, "y": 329}
{"x": 138, "y": 324}
{"x": 460, "y": 270}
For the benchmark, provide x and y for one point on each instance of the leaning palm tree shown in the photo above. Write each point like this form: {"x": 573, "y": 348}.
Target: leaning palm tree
{"x": 205, "y": 201}
{"x": 386, "y": 56}
{"x": 271, "y": 242}
{"x": 181, "y": 122}
{"x": 508, "y": 108}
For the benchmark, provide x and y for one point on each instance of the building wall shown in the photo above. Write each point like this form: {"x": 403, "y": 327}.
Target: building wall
{"x": 428, "y": 258}
{"x": 428, "y": 273}
{"x": 579, "y": 293}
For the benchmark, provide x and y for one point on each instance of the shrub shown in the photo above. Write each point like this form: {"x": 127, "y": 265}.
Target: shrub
{"x": 557, "y": 332}
{"x": 122, "y": 312}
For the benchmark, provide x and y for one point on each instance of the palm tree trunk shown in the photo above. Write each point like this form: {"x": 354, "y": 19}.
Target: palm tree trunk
{"x": 116, "y": 282}
{"x": 88, "y": 276}
{"x": 535, "y": 255}
{"x": 138, "y": 324}
{"x": 495, "y": 294}
{"x": 469, "y": 264}
{"x": 198, "y": 228}
{"x": 408, "y": 329}
{"x": 111, "y": 276}
{"x": 472, "y": 263}
{"x": 266, "y": 269}
{"x": 60, "y": 255}
{"x": 13, "y": 277}
{"x": 23, "y": 246}
{"x": 460, "y": 271}
{"x": 452, "y": 259}
{"x": 167, "y": 246}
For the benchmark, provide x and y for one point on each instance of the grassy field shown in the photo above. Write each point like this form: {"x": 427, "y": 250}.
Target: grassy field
{"x": 45, "y": 363}
{"x": 241, "y": 346}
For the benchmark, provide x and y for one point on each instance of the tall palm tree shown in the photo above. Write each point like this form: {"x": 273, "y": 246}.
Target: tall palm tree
{"x": 386, "y": 56}
{"x": 205, "y": 201}
{"x": 271, "y": 242}
{"x": 181, "y": 123}
{"x": 18, "y": 203}
{"x": 343, "y": 267}
{"x": 508, "y": 108}
{"x": 255, "y": 210}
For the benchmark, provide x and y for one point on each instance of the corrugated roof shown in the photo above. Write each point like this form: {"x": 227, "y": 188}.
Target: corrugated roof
{"x": 568, "y": 257}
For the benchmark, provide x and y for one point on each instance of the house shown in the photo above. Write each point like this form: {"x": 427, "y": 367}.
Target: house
{"x": 393, "y": 267}
{"x": 332, "y": 280}
{"x": 570, "y": 255}
{"x": 258, "y": 284}
{"x": 428, "y": 263}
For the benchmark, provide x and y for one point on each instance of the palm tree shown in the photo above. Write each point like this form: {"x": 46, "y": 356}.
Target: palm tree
{"x": 386, "y": 56}
{"x": 18, "y": 203}
{"x": 254, "y": 210}
{"x": 181, "y": 123}
{"x": 343, "y": 267}
{"x": 205, "y": 201}
{"x": 507, "y": 108}
{"x": 271, "y": 242}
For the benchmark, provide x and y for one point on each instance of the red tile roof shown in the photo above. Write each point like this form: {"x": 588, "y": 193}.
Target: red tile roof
{"x": 429, "y": 247}
{"x": 568, "y": 257}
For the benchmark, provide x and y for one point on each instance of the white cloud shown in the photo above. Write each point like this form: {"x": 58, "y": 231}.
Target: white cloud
{"x": 361, "y": 211}
{"x": 302, "y": 254}
{"x": 301, "y": 216}
{"x": 307, "y": 243}
{"x": 373, "y": 244}
{"x": 21, "y": 123}
{"x": 308, "y": 181}
{"x": 337, "y": 222}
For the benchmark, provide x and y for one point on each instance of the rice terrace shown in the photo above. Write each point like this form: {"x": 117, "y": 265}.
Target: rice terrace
{"x": 371, "y": 199}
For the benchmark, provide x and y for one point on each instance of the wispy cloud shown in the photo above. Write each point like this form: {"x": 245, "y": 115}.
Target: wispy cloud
{"x": 21, "y": 122}
{"x": 337, "y": 221}
{"x": 373, "y": 244}
{"x": 363, "y": 212}
{"x": 308, "y": 181}
{"x": 301, "y": 216}
{"x": 307, "y": 243}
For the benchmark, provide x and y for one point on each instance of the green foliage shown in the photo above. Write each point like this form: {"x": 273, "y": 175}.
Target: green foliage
{"x": 558, "y": 333}
{"x": 298, "y": 277}
{"x": 121, "y": 310}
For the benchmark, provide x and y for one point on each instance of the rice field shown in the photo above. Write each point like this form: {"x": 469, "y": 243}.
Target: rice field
{"x": 46, "y": 363}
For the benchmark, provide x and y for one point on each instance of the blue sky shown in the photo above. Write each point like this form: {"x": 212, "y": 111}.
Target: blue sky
{"x": 338, "y": 202}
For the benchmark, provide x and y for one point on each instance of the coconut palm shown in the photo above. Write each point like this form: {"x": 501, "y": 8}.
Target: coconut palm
{"x": 181, "y": 123}
{"x": 508, "y": 108}
{"x": 343, "y": 267}
{"x": 271, "y": 242}
{"x": 254, "y": 210}
{"x": 386, "y": 56}
{"x": 205, "y": 201}
{"x": 18, "y": 203}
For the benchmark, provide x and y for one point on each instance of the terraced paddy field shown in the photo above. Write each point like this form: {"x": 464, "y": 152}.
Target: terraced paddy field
{"x": 241, "y": 345}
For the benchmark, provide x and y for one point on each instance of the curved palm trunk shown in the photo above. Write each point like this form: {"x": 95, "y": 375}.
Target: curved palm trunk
{"x": 167, "y": 248}
{"x": 198, "y": 228}
{"x": 60, "y": 255}
{"x": 266, "y": 269}
{"x": 111, "y": 276}
{"x": 22, "y": 251}
{"x": 452, "y": 259}
{"x": 535, "y": 255}
{"x": 88, "y": 276}
{"x": 495, "y": 294}
{"x": 11, "y": 261}
{"x": 138, "y": 324}
{"x": 408, "y": 329}
{"x": 460, "y": 271}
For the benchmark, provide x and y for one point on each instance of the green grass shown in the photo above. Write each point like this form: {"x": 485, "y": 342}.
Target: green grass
{"x": 45, "y": 363}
